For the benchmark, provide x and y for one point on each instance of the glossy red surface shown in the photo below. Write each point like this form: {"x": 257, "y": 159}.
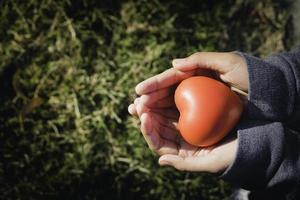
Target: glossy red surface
{"x": 208, "y": 110}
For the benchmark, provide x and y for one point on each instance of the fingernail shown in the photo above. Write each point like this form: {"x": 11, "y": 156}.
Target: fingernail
{"x": 138, "y": 88}
{"x": 178, "y": 62}
{"x": 129, "y": 109}
{"x": 164, "y": 162}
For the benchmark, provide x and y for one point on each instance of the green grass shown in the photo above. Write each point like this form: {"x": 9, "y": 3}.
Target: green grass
{"x": 67, "y": 74}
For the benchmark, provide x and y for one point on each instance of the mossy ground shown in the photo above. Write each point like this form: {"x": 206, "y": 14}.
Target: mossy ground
{"x": 67, "y": 74}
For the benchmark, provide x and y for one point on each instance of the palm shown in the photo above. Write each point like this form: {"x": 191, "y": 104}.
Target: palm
{"x": 162, "y": 124}
{"x": 159, "y": 116}
{"x": 208, "y": 159}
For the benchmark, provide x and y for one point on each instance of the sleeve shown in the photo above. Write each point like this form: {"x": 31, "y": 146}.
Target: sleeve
{"x": 274, "y": 87}
{"x": 268, "y": 156}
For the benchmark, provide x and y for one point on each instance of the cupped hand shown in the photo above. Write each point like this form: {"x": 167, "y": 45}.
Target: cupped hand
{"x": 230, "y": 68}
{"x": 159, "y": 116}
{"x": 160, "y": 132}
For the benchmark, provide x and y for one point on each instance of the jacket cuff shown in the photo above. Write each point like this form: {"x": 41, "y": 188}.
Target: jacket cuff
{"x": 272, "y": 88}
{"x": 259, "y": 154}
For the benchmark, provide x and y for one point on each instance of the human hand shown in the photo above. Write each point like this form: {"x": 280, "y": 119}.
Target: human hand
{"x": 230, "y": 68}
{"x": 157, "y": 110}
{"x": 159, "y": 130}
{"x": 214, "y": 159}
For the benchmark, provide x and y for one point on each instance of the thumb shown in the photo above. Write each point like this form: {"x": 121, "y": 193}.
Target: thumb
{"x": 196, "y": 164}
{"x": 174, "y": 161}
{"x": 219, "y": 62}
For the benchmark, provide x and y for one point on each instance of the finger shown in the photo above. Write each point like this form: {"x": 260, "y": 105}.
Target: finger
{"x": 167, "y": 112}
{"x": 166, "y": 132}
{"x": 153, "y": 97}
{"x": 136, "y": 101}
{"x": 207, "y": 73}
{"x": 162, "y": 80}
{"x": 175, "y": 161}
{"x": 195, "y": 164}
{"x": 167, "y": 122}
{"x": 141, "y": 108}
{"x": 187, "y": 149}
{"x": 143, "y": 105}
{"x": 153, "y": 139}
{"x": 220, "y": 62}
{"x": 148, "y": 132}
{"x": 166, "y": 102}
{"x": 169, "y": 133}
{"x": 167, "y": 147}
{"x": 132, "y": 109}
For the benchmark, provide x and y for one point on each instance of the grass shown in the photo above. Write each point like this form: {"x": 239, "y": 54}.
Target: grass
{"x": 67, "y": 74}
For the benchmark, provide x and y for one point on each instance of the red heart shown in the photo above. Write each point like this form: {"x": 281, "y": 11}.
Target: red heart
{"x": 208, "y": 110}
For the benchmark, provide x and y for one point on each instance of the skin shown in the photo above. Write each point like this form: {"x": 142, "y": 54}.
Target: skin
{"x": 159, "y": 116}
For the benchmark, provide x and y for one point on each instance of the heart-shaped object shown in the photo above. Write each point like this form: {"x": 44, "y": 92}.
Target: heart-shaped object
{"x": 208, "y": 110}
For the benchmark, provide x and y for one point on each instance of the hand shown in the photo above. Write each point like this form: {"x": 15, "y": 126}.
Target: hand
{"x": 159, "y": 130}
{"x": 213, "y": 159}
{"x": 229, "y": 67}
{"x": 158, "y": 113}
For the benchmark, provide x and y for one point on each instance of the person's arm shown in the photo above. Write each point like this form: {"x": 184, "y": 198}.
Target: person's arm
{"x": 232, "y": 69}
{"x": 268, "y": 156}
{"x": 274, "y": 89}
